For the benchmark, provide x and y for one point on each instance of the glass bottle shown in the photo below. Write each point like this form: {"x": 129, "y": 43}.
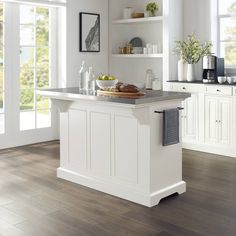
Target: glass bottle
{"x": 83, "y": 76}
{"x": 149, "y": 79}
{"x": 91, "y": 80}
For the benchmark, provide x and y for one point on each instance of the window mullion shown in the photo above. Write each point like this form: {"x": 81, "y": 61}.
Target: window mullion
{"x": 35, "y": 70}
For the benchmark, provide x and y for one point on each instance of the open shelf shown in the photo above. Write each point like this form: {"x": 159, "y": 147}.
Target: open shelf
{"x": 137, "y": 55}
{"x": 139, "y": 20}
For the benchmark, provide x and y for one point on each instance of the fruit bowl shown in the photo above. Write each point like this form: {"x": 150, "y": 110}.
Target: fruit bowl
{"x": 105, "y": 84}
{"x": 106, "y": 81}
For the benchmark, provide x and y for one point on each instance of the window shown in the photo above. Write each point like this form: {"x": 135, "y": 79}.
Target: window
{"x": 2, "y": 115}
{"x": 30, "y": 42}
{"x": 35, "y": 47}
{"x": 226, "y": 35}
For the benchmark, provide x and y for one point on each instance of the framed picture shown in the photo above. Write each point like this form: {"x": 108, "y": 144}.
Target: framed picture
{"x": 89, "y": 32}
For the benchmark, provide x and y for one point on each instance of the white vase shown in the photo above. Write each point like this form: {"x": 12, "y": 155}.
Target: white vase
{"x": 150, "y": 14}
{"x": 127, "y": 12}
{"x": 181, "y": 70}
{"x": 190, "y": 73}
{"x": 185, "y": 71}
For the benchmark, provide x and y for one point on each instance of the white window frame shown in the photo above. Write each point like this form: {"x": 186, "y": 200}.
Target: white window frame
{"x": 35, "y": 67}
{"x": 215, "y": 31}
{"x": 13, "y": 136}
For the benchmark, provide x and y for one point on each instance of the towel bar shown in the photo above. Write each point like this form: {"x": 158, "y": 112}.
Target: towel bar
{"x": 160, "y": 112}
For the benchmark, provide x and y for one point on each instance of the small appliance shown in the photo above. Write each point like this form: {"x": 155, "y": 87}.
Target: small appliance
{"x": 213, "y": 67}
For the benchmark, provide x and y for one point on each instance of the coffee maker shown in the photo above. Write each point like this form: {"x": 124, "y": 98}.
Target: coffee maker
{"x": 212, "y": 68}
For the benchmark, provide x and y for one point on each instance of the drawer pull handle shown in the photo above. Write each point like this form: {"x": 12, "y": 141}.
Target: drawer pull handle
{"x": 184, "y": 88}
{"x": 218, "y": 90}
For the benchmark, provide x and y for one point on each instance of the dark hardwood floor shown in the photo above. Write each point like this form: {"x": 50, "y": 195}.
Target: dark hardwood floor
{"x": 34, "y": 202}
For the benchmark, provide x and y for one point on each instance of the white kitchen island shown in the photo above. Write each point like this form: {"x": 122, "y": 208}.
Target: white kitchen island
{"x": 114, "y": 145}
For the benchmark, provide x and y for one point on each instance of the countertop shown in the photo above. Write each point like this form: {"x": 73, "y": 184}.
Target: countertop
{"x": 74, "y": 93}
{"x": 200, "y": 82}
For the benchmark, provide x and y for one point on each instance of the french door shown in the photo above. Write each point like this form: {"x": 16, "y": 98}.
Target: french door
{"x": 27, "y": 63}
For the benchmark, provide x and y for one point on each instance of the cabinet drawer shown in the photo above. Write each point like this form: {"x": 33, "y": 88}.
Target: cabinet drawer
{"x": 220, "y": 90}
{"x": 185, "y": 88}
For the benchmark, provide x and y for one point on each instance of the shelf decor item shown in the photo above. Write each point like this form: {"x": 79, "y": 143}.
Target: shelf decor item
{"x": 190, "y": 52}
{"x": 89, "y": 32}
{"x": 152, "y": 8}
{"x": 127, "y": 12}
{"x": 136, "y": 15}
{"x": 182, "y": 70}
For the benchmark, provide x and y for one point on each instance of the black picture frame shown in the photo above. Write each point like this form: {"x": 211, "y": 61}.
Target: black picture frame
{"x": 89, "y": 39}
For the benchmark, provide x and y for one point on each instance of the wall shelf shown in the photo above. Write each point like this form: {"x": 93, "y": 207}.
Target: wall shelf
{"x": 163, "y": 30}
{"x": 137, "y": 55}
{"x": 139, "y": 20}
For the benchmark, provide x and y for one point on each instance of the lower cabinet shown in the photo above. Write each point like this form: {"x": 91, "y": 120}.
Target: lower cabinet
{"x": 208, "y": 118}
{"x": 218, "y": 118}
{"x": 190, "y": 118}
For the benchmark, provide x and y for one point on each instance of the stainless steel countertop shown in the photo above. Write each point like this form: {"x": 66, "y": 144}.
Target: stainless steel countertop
{"x": 74, "y": 93}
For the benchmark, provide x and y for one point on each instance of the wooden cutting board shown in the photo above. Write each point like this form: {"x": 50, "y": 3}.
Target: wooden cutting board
{"x": 120, "y": 94}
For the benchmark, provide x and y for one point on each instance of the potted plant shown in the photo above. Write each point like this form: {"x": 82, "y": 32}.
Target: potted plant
{"x": 190, "y": 52}
{"x": 152, "y": 8}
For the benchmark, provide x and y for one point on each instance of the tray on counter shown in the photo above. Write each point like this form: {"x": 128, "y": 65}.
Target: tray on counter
{"x": 121, "y": 94}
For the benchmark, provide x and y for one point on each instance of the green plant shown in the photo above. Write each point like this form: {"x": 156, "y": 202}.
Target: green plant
{"x": 191, "y": 50}
{"x": 152, "y": 7}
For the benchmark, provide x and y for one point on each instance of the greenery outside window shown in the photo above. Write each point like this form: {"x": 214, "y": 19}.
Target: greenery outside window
{"x": 35, "y": 66}
{"x": 226, "y": 33}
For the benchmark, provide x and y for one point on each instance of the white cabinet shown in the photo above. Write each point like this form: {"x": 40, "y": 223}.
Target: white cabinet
{"x": 190, "y": 119}
{"x": 208, "y": 118}
{"x": 211, "y": 120}
{"x": 225, "y": 121}
{"x": 218, "y": 120}
{"x": 117, "y": 149}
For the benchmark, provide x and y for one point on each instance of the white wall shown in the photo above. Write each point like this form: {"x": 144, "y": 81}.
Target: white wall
{"x": 132, "y": 70}
{"x": 99, "y": 61}
{"x": 197, "y": 20}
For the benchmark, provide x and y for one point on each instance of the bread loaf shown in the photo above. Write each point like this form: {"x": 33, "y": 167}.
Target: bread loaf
{"x": 128, "y": 88}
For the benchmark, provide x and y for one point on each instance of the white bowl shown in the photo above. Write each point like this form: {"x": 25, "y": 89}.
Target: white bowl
{"x": 230, "y": 80}
{"x": 104, "y": 84}
{"x": 222, "y": 79}
{"x": 234, "y": 77}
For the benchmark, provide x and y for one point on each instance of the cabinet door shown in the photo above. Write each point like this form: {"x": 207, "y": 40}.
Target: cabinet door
{"x": 190, "y": 121}
{"x": 211, "y": 119}
{"x": 225, "y": 109}
{"x": 182, "y": 116}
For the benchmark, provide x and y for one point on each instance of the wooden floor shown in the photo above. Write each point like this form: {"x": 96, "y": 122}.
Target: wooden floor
{"x": 34, "y": 202}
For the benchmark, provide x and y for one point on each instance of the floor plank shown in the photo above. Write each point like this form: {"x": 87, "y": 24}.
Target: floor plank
{"x": 33, "y": 201}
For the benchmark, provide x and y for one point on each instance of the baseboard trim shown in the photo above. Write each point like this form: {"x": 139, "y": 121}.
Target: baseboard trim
{"x": 223, "y": 151}
{"x": 124, "y": 192}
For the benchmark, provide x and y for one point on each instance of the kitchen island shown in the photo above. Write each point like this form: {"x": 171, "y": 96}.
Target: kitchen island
{"x": 114, "y": 144}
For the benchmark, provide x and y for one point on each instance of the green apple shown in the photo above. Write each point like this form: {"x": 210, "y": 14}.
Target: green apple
{"x": 105, "y": 77}
{"x": 112, "y": 78}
